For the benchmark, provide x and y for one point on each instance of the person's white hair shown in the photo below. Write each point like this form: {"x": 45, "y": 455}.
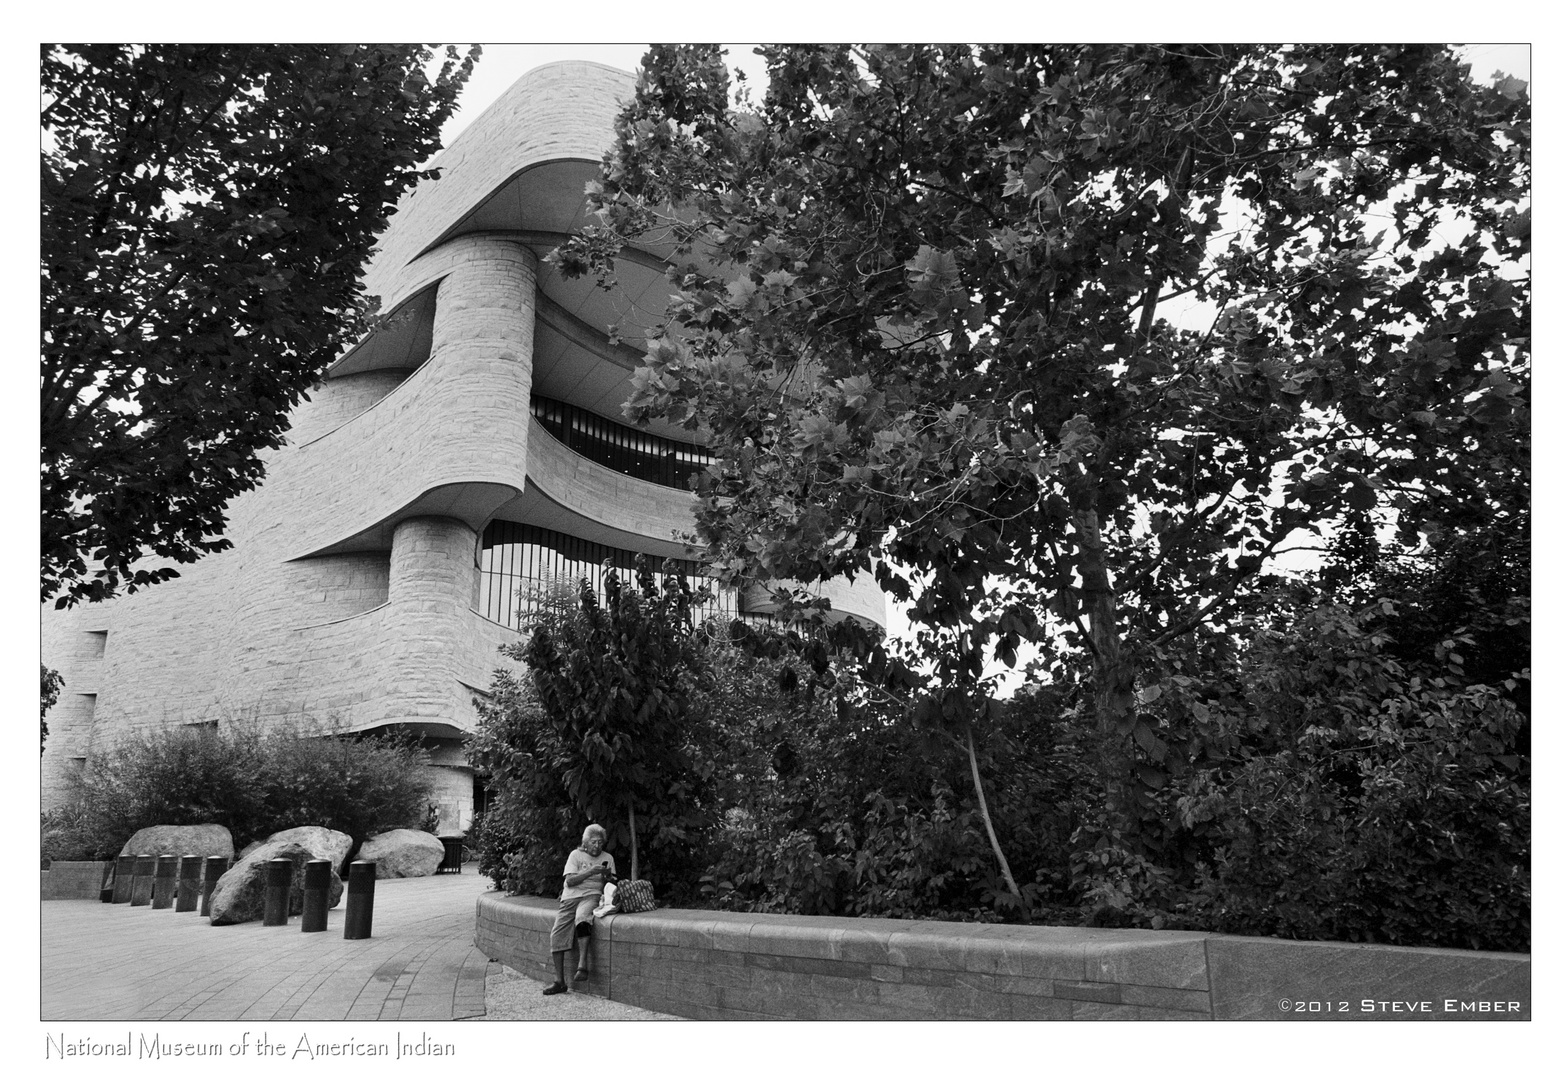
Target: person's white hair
{"x": 592, "y": 831}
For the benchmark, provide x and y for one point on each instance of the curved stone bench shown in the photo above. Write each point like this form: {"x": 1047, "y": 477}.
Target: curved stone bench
{"x": 712, "y": 965}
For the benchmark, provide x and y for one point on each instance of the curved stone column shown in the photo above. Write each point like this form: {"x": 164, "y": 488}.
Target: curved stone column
{"x": 430, "y": 593}
{"x": 485, "y": 303}
{"x": 452, "y": 438}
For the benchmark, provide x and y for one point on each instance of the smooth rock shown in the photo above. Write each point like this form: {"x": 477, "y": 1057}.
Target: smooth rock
{"x": 240, "y": 895}
{"x": 201, "y": 840}
{"x": 328, "y": 844}
{"x": 404, "y": 853}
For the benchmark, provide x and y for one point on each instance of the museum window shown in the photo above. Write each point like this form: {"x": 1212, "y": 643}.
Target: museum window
{"x": 519, "y": 564}
{"x": 626, "y": 450}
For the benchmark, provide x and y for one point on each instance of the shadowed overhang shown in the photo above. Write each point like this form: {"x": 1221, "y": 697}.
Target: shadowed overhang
{"x": 574, "y": 357}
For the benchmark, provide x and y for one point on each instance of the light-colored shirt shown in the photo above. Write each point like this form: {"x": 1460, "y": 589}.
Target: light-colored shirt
{"x": 576, "y": 863}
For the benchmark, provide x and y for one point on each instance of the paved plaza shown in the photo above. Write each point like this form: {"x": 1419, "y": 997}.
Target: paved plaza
{"x": 116, "y": 962}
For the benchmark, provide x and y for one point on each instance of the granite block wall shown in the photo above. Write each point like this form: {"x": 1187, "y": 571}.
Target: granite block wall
{"x": 73, "y": 880}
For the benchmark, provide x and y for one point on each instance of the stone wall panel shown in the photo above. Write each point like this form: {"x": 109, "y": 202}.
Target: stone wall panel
{"x": 641, "y": 960}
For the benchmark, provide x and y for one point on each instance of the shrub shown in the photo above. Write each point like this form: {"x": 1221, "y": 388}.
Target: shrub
{"x": 529, "y": 825}
{"x": 1425, "y": 842}
{"x": 357, "y": 783}
{"x": 606, "y": 726}
{"x": 1327, "y": 788}
{"x": 254, "y": 781}
{"x": 838, "y": 806}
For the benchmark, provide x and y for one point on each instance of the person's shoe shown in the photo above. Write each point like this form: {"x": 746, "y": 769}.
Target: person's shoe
{"x": 555, "y": 988}
{"x": 581, "y": 975}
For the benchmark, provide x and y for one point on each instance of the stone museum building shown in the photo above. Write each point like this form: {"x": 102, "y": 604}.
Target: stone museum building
{"x": 468, "y": 449}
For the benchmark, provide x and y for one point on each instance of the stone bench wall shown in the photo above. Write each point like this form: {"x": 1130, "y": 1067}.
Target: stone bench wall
{"x": 711, "y": 965}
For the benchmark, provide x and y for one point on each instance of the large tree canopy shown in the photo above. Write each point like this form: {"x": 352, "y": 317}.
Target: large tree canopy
{"x": 206, "y": 212}
{"x": 930, "y": 314}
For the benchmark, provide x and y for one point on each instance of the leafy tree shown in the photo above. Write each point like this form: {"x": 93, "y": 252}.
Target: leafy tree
{"x": 529, "y": 819}
{"x": 925, "y": 315}
{"x": 613, "y": 680}
{"x": 206, "y": 212}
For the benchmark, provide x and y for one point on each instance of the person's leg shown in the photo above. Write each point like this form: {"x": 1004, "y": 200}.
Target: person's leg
{"x": 560, "y": 944}
{"x": 584, "y": 932}
{"x": 559, "y": 985}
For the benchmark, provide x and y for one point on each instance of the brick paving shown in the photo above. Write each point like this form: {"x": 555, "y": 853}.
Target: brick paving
{"x": 116, "y": 962}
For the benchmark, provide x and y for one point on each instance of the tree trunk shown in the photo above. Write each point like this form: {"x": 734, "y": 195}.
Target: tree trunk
{"x": 990, "y": 830}
{"x": 631, "y": 814}
{"x": 1114, "y": 701}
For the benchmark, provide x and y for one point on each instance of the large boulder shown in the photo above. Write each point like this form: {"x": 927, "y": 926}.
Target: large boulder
{"x": 241, "y": 894}
{"x": 403, "y": 853}
{"x": 328, "y": 844}
{"x": 181, "y": 840}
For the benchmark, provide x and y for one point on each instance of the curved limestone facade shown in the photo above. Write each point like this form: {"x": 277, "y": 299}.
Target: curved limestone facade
{"x": 368, "y": 581}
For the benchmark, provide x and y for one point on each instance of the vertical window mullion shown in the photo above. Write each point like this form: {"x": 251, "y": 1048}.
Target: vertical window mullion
{"x": 508, "y": 598}
{"x": 495, "y": 582}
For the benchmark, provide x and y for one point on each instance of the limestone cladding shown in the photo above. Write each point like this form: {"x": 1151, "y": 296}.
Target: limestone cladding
{"x": 342, "y": 400}
{"x": 262, "y": 631}
{"x": 72, "y": 643}
{"x": 462, "y": 418}
{"x": 451, "y": 790}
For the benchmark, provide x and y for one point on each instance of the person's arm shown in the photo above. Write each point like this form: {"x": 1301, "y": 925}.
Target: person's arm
{"x": 573, "y": 880}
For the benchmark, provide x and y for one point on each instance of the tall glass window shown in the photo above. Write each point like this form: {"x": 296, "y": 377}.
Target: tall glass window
{"x": 518, "y": 562}
{"x": 625, "y": 449}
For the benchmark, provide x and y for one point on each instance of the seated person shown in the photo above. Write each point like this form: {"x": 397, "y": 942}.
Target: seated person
{"x": 588, "y": 870}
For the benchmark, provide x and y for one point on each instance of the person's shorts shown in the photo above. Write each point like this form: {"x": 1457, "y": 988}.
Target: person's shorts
{"x": 572, "y": 913}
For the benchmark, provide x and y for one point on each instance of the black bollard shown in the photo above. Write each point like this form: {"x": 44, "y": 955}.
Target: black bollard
{"x": 124, "y": 870}
{"x": 318, "y": 880}
{"x": 189, "y": 892}
{"x": 163, "y": 880}
{"x": 217, "y": 866}
{"x": 141, "y": 880}
{"x": 279, "y": 873}
{"x": 361, "y": 900}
